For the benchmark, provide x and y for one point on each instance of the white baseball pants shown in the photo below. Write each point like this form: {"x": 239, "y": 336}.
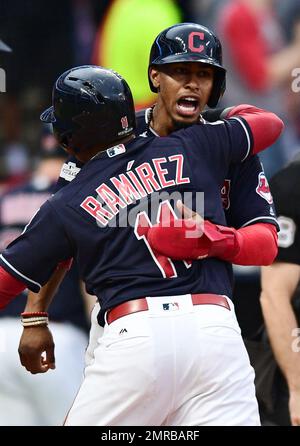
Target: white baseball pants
{"x": 183, "y": 367}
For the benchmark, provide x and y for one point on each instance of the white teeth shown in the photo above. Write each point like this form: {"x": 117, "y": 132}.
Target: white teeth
{"x": 190, "y": 99}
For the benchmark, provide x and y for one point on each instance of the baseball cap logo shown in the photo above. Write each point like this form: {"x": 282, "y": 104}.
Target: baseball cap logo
{"x": 195, "y": 42}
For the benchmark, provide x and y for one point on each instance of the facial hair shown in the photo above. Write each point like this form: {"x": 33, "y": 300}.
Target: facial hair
{"x": 178, "y": 125}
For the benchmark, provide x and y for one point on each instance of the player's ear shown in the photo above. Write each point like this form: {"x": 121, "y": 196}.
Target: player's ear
{"x": 154, "y": 76}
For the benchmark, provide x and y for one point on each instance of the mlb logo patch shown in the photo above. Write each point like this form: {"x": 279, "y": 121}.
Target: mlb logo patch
{"x": 171, "y": 306}
{"x": 116, "y": 150}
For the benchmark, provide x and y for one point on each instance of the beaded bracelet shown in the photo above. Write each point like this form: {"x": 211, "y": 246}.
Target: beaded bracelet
{"x": 33, "y": 319}
{"x": 26, "y": 323}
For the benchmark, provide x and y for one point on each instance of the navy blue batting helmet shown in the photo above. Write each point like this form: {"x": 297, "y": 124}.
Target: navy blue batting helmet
{"x": 190, "y": 42}
{"x": 92, "y": 106}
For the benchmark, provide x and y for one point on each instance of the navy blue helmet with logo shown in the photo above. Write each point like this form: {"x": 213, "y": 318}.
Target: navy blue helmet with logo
{"x": 190, "y": 42}
{"x": 92, "y": 107}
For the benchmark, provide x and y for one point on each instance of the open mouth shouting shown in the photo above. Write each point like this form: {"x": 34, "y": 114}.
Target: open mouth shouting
{"x": 188, "y": 106}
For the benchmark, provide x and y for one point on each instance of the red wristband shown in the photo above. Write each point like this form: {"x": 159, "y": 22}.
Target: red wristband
{"x": 34, "y": 314}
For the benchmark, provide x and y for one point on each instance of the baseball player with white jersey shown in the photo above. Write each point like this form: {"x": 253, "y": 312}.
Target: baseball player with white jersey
{"x": 185, "y": 56}
{"x": 171, "y": 352}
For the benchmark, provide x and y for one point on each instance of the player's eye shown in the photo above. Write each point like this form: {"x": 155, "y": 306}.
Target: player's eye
{"x": 205, "y": 73}
{"x": 180, "y": 70}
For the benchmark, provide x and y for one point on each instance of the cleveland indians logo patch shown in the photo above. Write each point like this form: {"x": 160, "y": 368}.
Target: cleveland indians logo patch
{"x": 263, "y": 188}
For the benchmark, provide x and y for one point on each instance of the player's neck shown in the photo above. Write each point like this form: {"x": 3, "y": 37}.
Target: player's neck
{"x": 160, "y": 121}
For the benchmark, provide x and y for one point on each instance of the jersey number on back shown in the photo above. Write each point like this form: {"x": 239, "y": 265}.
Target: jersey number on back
{"x": 142, "y": 224}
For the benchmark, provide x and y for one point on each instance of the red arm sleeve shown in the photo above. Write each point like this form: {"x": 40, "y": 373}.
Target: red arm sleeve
{"x": 65, "y": 264}
{"x": 258, "y": 245}
{"x": 9, "y": 287}
{"x": 265, "y": 126}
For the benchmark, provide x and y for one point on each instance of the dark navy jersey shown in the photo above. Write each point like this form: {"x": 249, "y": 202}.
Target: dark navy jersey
{"x": 102, "y": 215}
{"x": 244, "y": 199}
{"x": 285, "y": 187}
{"x": 16, "y": 209}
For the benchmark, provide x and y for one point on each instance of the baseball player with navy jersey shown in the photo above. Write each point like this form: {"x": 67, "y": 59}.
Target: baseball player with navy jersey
{"x": 171, "y": 352}
{"x": 244, "y": 200}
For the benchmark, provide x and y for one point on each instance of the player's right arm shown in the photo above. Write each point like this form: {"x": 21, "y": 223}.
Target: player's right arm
{"x": 29, "y": 262}
{"x": 37, "y": 340}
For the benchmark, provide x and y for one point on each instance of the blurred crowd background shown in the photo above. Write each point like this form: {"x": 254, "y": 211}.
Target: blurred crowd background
{"x": 261, "y": 44}
{"x": 41, "y": 39}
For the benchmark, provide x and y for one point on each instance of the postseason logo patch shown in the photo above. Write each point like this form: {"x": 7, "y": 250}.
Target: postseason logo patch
{"x": 69, "y": 171}
{"x": 263, "y": 188}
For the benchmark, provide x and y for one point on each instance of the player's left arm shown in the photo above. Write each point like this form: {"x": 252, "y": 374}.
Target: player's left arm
{"x": 244, "y": 131}
{"x": 263, "y": 127}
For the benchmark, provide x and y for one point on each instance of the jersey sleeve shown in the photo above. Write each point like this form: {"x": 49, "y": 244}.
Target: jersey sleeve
{"x": 246, "y": 196}
{"x": 34, "y": 255}
{"x": 230, "y": 141}
{"x": 285, "y": 189}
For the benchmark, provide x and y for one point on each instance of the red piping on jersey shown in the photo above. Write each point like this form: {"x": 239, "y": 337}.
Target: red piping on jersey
{"x": 265, "y": 126}
{"x": 9, "y": 287}
{"x": 258, "y": 245}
